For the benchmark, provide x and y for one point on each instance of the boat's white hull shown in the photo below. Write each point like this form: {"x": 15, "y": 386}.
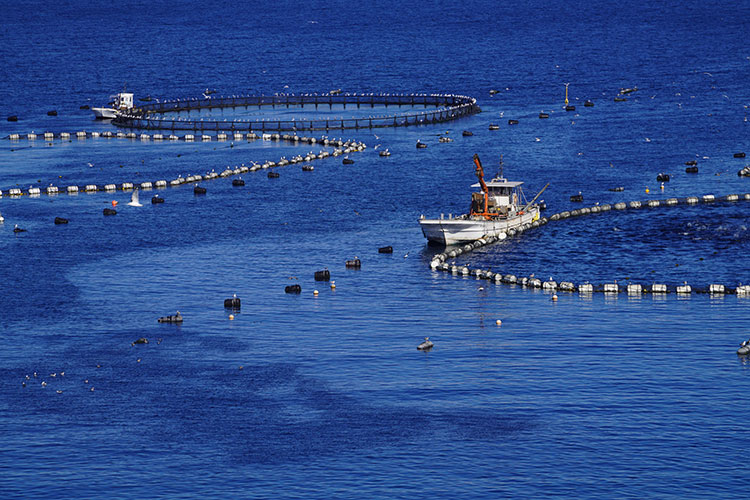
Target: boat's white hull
{"x": 104, "y": 113}
{"x": 453, "y": 231}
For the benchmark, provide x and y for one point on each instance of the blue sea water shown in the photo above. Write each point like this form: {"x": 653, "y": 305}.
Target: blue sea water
{"x": 326, "y": 396}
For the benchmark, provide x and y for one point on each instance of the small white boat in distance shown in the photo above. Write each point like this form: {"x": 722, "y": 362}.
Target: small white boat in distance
{"x": 122, "y": 102}
{"x": 500, "y": 205}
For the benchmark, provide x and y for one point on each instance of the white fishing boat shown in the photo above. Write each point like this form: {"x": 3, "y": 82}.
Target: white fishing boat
{"x": 499, "y": 205}
{"x": 122, "y": 102}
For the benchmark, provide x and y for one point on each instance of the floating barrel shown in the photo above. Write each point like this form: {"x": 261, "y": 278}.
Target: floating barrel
{"x": 90, "y": 188}
{"x": 388, "y": 249}
{"x": 658, "y": 288}
{"x": 60, "y": 220}
{"x": 110, "y": 187}
{"x": 745, "y": 172}
{"x": 273, "y": 175}
{"x": 512, "y": 122}
{"x": 691, "y": 170}
{"x": 126, "y": 186}
{"x": 233, "y": 303}
{"x": 634, "y": 289}
{"x": 52, "y": 113}
{"x": 309, "y": 168}
{"x": 64, "y": 135}
{"x": 611, "y": 288}
{"x": 175, "y": 318}
{"x": 293, "y": 289}
{"x": 237, "y": 182}
{"x": 426, "y": 345}
{"x": 354, "y": 263}
{"x": 549, "y": 285}
{"x": 156, "y": 199}
{"x": 146, "y": 185}
{"x": 567, "y": 286}
{"x": 34, "y": 191}
{"x": 588, "y": 103}
{"x": 684, "y": 289}
{"x": 110, "y": 211}
{"x": 570, "y": 108}
{"x": 739, "y": 155}
{"x": 620, "y": 99}
{"x": 716, "y": 289}
{"x": 13, "y": 118}
{"x": 662, "y": 178}
{"x": 586, "y": 288}
{"x": 493, "y": 91}
{"x": 199, "y": 190}
{"x": 52, "y": 190}
{"x": 421, "y": 145}
{"x": 691, "y": 163}
{"x": 577, "y": 197}
{"x": 617, "y": 189}
{"x": 324, "y": 275}
{"x": 494, "y": 126}
{"x": 467, "y": 133}
{"x": 543, "y": 115}
{"x": 347, "y": 161}
{"x": 142, "y": 340}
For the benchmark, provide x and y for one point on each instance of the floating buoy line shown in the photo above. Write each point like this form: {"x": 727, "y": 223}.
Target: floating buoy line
{"x": 439, "y": 262}
{"x": 341, "y": 148}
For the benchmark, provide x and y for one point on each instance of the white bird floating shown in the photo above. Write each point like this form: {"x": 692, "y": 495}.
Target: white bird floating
{"x": 134, "y": 202}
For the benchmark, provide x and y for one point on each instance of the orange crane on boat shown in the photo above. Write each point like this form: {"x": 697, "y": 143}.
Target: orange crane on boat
{"x": 479, "y": 172}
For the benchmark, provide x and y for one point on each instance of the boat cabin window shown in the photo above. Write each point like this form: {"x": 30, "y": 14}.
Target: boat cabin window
{"x": 502, "y": 195}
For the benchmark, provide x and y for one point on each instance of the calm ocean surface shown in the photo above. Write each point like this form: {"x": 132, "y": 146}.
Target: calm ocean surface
{"x": 327, "y": 397}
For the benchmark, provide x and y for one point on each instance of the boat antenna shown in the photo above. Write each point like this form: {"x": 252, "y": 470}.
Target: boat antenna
{"x": 566, "y": 93}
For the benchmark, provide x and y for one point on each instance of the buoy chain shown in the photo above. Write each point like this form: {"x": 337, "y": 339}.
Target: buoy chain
{"x": 341, "y": 147}
{"x": 439, "y": 261}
